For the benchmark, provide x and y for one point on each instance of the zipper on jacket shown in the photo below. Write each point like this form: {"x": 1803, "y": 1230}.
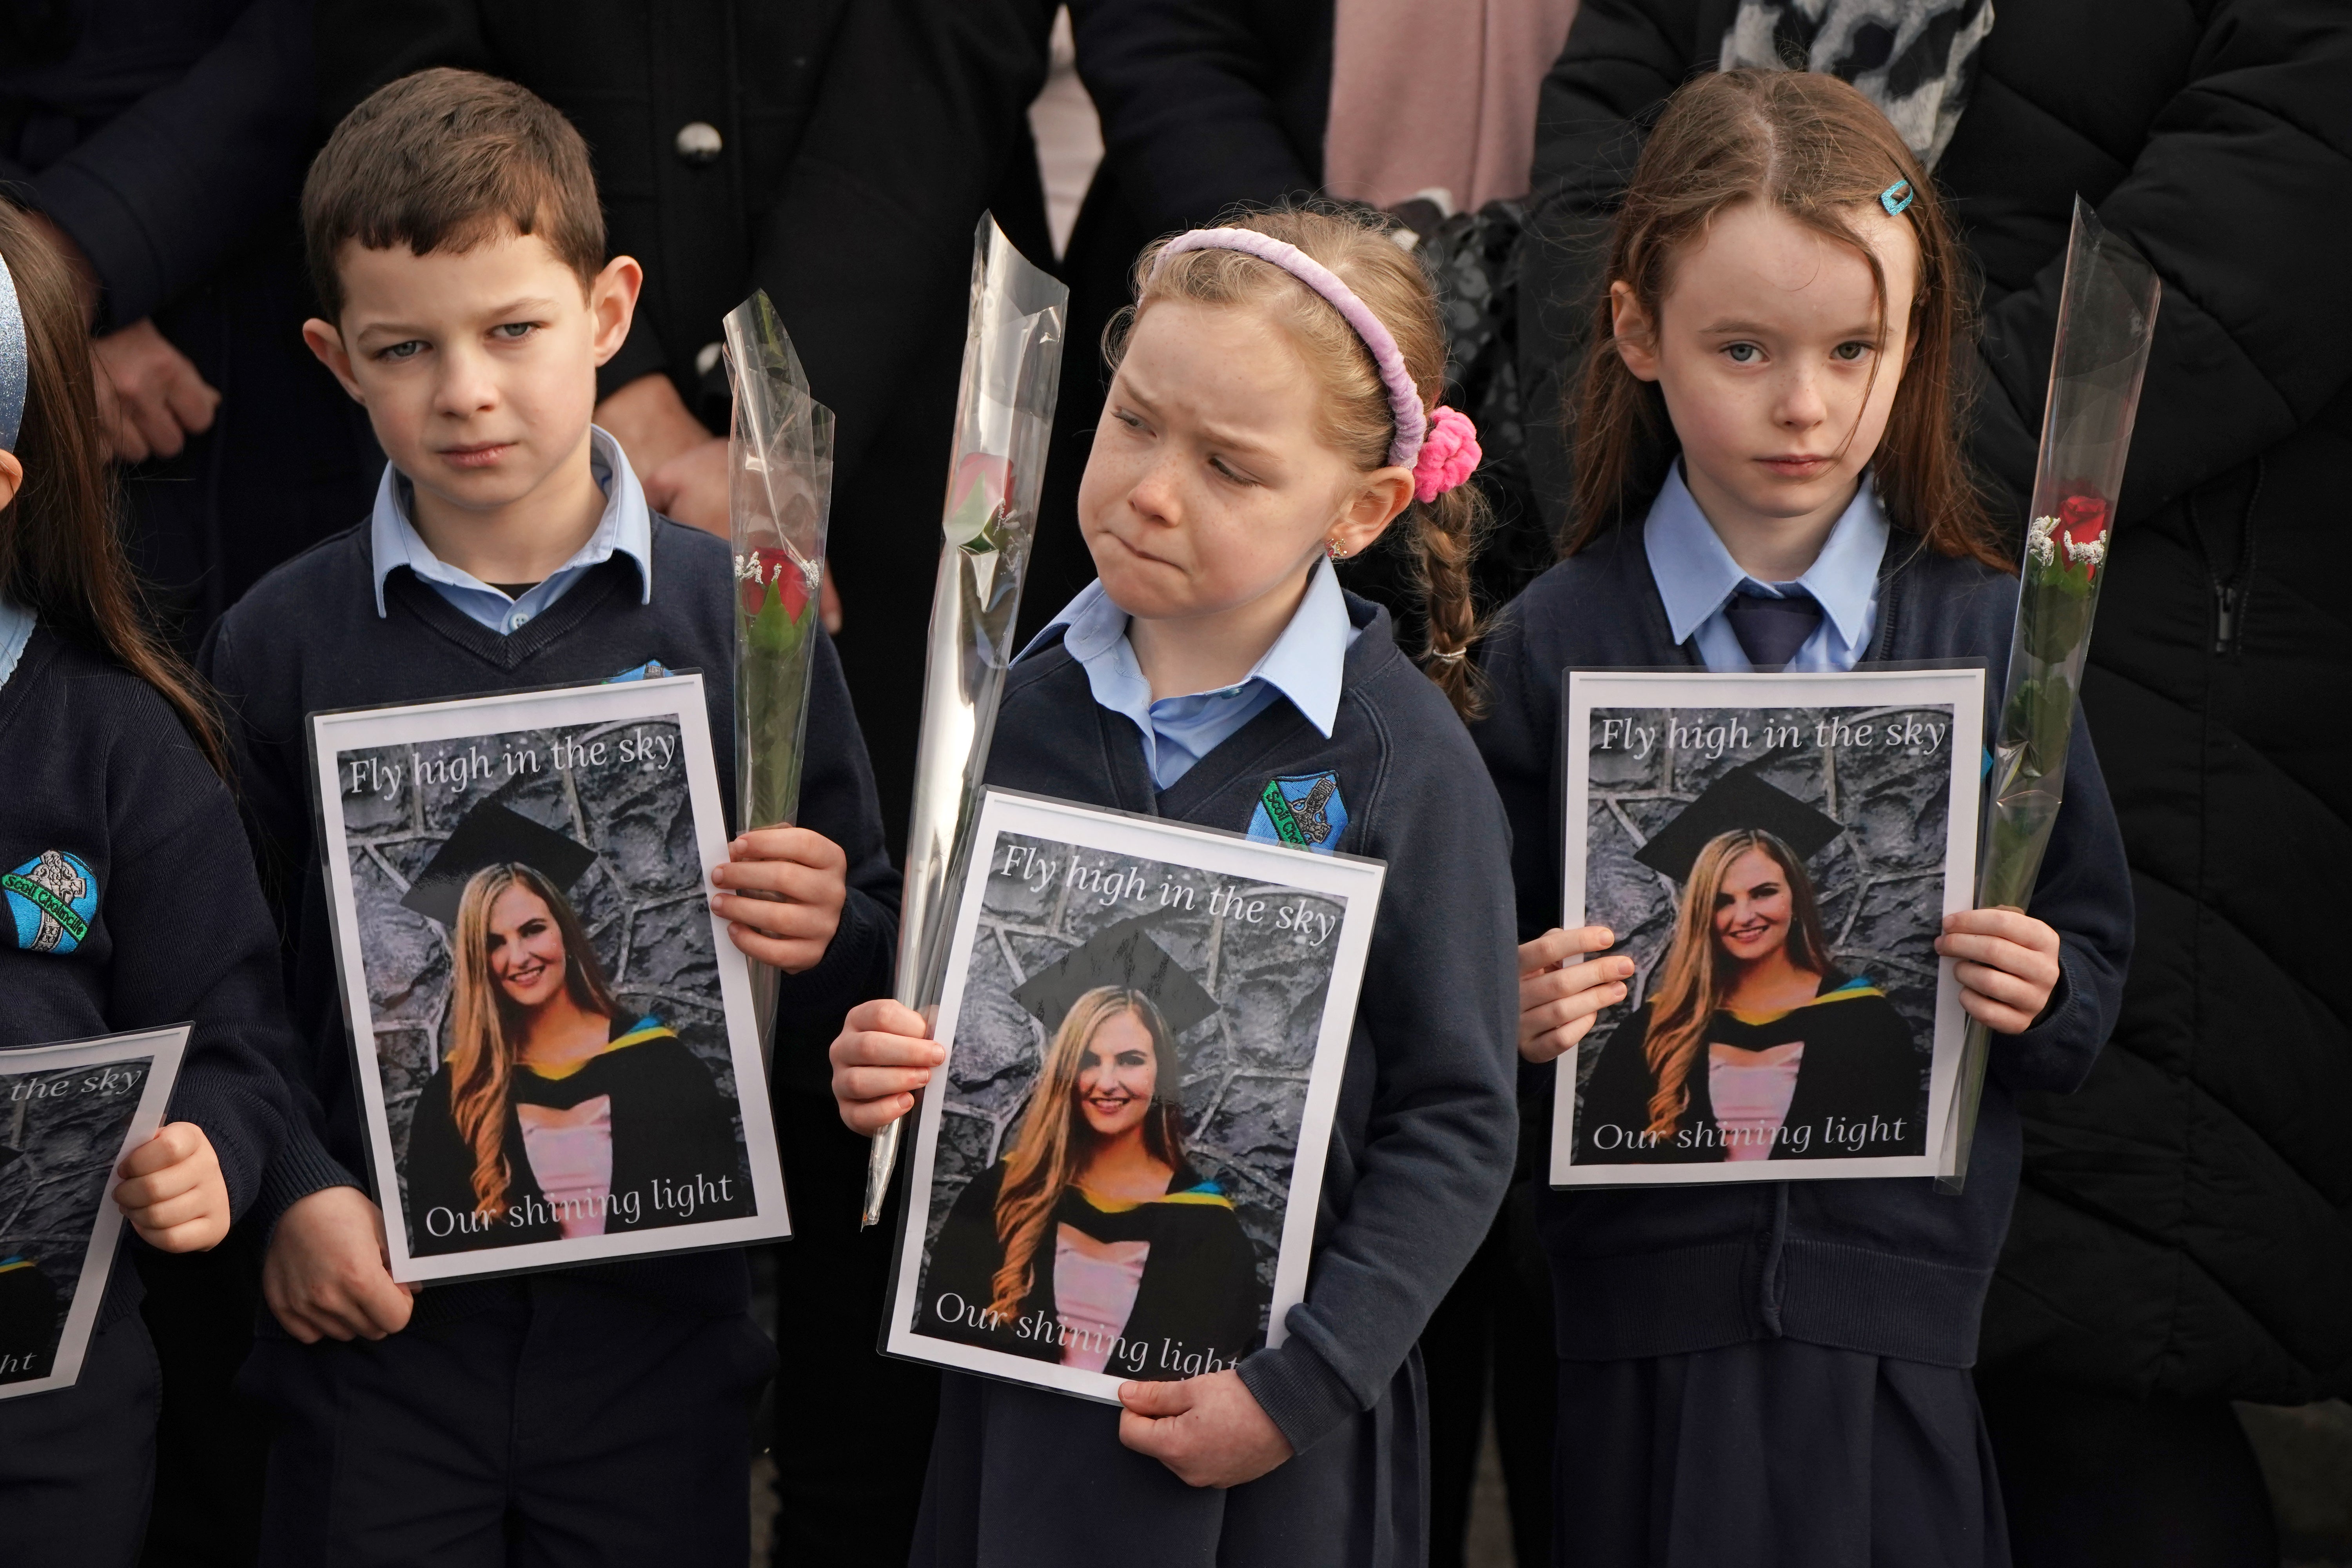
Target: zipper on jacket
{"x": 2231, "y": 592}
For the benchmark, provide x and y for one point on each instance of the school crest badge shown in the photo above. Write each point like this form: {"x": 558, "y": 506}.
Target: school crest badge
{"x": 51, "y": 898}
{"x": 1303, "y": 811}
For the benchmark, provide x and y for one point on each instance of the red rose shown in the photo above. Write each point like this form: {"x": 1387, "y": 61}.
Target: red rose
{"x": 2082, "y": 519}
{"x": 775, "y": 566}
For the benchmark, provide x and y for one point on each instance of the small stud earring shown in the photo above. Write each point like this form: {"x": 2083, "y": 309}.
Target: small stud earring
{"x": 1335, "y": 549}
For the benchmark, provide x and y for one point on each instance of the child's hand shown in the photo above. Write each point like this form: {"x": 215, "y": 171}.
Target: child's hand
{"x": 884, "y": 1054}
{"x": 1209, "y": 1430}
{"x": 172, "y": 1190}
{"x": 807, "y": 869}
{"x": 325, "y": 1277}
{"x": 1557, "y": 1005}
{"x": 2009, "y": 966}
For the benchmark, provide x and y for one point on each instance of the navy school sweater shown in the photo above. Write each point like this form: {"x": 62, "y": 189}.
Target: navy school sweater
{"x": 101, "y": 769}
{"x": 308, "y": 638}
{"x": 1887, "y": 1267}
{"x": 1422, "y": 1142}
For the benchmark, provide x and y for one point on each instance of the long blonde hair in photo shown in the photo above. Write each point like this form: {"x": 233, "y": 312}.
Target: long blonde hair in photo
{"x": 1052, "y": 1148}
{"x": 482, "y": 1044}
{"x": 1693, "y": 979}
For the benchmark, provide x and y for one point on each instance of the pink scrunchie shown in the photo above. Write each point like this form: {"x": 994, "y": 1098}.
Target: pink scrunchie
{"x": 1449, "y": 455}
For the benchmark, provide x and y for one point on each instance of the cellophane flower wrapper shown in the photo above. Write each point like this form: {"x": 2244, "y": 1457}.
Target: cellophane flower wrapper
{"x": 2106, "y": 320}
{"x": 779, "y": 493}
{"x": 1005, "y": 412}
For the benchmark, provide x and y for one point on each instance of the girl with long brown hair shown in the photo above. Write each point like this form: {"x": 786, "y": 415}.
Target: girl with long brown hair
{"x": 128, "y": 901}
{"x": 1769, "y": 478}
{"x": 557, "y": 1113}
{"x": 1094, "y": 1233}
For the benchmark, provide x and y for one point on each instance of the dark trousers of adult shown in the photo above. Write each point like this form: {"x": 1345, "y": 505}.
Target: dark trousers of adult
{"x": 77, "y": 1465}
{"x": 561, "y": 1425}
{"x": 848, "y": 1482}
{"x": 1494, "y": 1331}
{"x": 2100, "y": 1480}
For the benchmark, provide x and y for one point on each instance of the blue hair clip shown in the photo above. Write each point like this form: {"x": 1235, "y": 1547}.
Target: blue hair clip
{"x": 12, "y": 367}
{"x": 1896, "y": 198}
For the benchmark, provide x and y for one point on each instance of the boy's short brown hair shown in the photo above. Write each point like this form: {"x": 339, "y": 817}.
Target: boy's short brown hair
{"x": 444, "y": 160}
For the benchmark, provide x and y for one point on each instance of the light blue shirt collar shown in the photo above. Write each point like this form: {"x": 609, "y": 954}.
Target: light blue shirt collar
{"x": 1697, "y": 576}
{"x": 626, "y": 527}
{"x": 1306, "y": 665}
{"x": 15, "y": 630}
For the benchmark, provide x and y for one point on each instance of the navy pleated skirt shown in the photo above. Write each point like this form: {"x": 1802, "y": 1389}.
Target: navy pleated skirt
{"x": 1021, "y": 1477}
{"x": 1773, "y": 1454}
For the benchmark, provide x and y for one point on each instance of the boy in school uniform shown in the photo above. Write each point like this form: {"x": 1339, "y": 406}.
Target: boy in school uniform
{"x": 598, "y": 1414}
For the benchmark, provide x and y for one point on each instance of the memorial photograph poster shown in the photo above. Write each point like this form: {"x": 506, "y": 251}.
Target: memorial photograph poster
{"x": 1777, "y": 853}
{"x": 555, "y": 1046}
{"x": 1115, "y": 1174}
{"x": 69, "y": 1115}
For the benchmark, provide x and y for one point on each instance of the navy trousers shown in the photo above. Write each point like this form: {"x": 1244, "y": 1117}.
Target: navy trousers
{"x": 1021, "y": 1477}
{"x": 1771, "y": 1454}
{"x": 566, "y": 1425}
{"x": 77, "y": 1465}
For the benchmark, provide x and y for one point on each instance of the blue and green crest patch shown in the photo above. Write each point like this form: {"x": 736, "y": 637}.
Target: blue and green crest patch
{"x": 51, "y": 898}
{"x": 1303, "y": 811}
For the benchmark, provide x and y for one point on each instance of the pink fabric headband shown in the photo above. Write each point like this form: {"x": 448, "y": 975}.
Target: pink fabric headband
{"x": 1441, "y": 449}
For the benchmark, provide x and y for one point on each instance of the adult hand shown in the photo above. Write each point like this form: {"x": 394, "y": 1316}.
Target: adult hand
{"x": 325, "y": 1277}
{"x": 883, "y": 1054}
{"x": 1559, "y": 1000}
{"x": 149, "y": 397}
{"x": 1209, "y": 1430}
{"x": 172, "y": 1191}
{"x": 692, "y": 487}
{"x": 681, "y": 465}
{"x": 2008, "y": 966}
{"x": 787, "y": 885}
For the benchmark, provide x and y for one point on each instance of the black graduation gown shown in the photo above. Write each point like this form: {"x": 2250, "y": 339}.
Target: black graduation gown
{"x": 1859, "y": 1085}
{"x": 672, "y": 1134}
{"x": 1199, "y": 1294}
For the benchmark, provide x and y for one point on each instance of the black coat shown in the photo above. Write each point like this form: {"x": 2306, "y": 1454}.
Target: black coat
{"x": 1861, "y": 1069}
{"x": 167, "y": 139}
{"x": 1199, "y": 1292}
{"x": 858, "y": 144}
{"x": 672, "y": 1133}
{"x": 2185, "y": 1224}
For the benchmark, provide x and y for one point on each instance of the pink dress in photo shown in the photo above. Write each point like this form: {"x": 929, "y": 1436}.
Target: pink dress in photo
{"x": 1095, "y": 1285}
{"x": 570, "y": 1154}
{"x": 1751, "y": 1090}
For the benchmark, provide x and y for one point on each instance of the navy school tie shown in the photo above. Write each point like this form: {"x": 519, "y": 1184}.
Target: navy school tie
{"x": 1770, "y": 630}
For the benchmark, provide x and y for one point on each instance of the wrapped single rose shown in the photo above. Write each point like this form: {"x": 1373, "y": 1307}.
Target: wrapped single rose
{"x": 779, "y": 493}
{"x": 1005, "y": 412}
{"x": 2106, "y": 319}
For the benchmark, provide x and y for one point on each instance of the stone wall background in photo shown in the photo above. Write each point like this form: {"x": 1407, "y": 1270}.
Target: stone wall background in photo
{"x": 1879, "y": 884}
{"x": 50, "y": 1198}
{"x": 641, "y": 899}
{"x": 1246, "y": 1067}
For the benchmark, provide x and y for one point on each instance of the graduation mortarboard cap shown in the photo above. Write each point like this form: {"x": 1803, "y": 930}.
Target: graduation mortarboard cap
{"x": 1736, "y": 800}
{"x": 491, "y": 834}
{"x": 1122, "y": 954}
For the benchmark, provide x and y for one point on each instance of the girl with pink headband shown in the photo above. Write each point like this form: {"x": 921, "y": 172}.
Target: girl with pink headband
{"x": 1274, "y": 410}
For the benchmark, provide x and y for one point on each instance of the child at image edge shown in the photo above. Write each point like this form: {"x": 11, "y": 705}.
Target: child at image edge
{"x": 1273, "y": 405}
{"x": 1764, "y": 1375}
{"x": 592, "y": 1415}
{"x": 116, "y": 804}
